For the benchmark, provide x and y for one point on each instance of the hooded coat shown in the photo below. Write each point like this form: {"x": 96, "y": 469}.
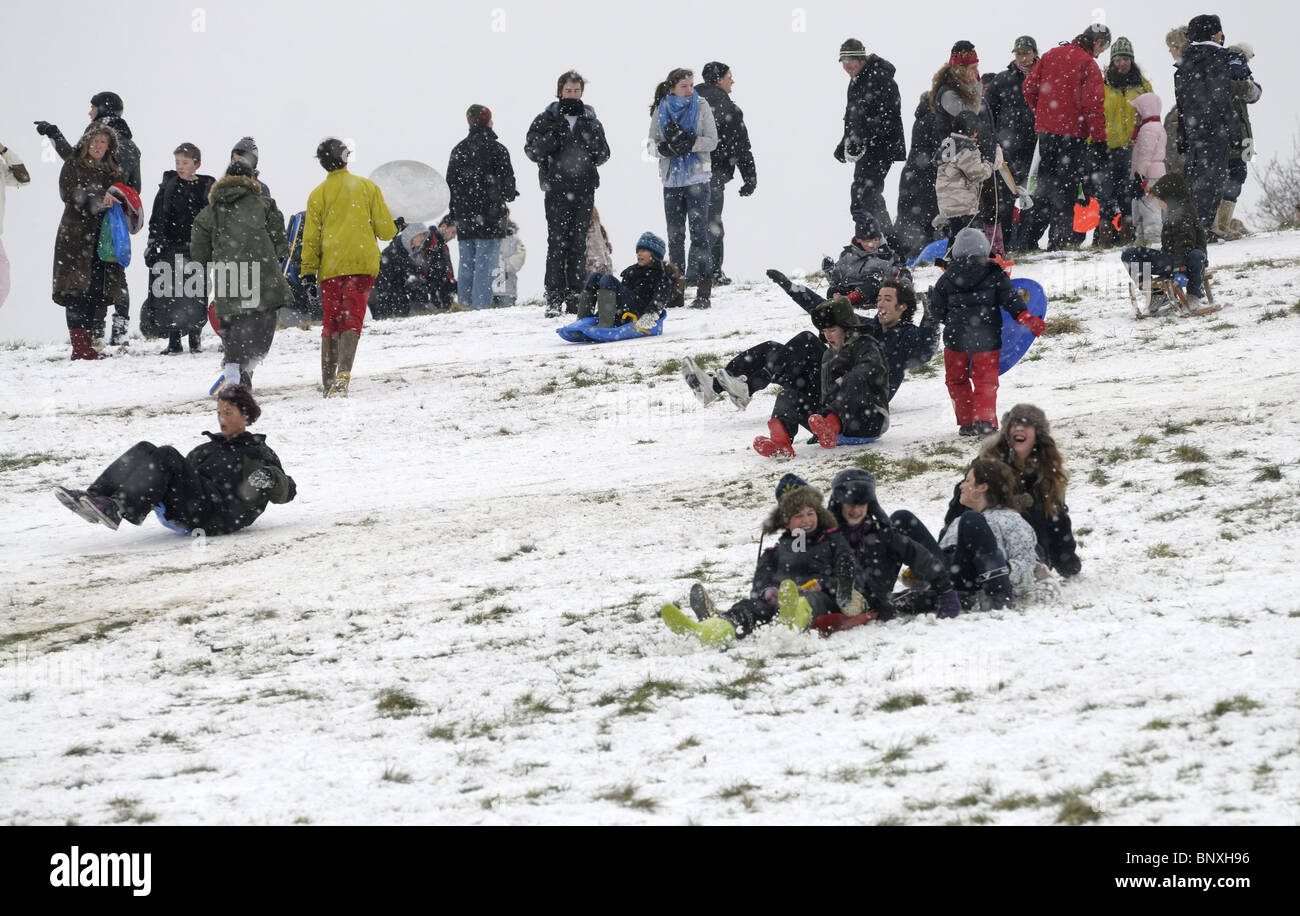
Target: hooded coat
{"x": 1066, "y": 92}
{"x": 821, "y": 548}
{"x": 1149, "y": 147}
{"x": 1203, "y": 91}
{"x": 969, "y": 300}
{"x": 82, "y": 186}
{"x": 568, "y": 158}
{"x": 733, "y": 151}
{"x": 345, "y": 214}
{"x": 917, "y": 206}
{"x": 482, "y": 183}
{"x": 961, "y": 176}
{"x": 223, "y": 465}
{"x": 1013, "y": 120}
{"x": 855, "y": 384}
{"x": 241, "y": 227}
{"x": 1182, "y": 230}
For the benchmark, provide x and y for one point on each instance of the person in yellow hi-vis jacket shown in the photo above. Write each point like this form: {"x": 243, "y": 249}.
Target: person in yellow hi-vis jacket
{"x": 345, "y": 215}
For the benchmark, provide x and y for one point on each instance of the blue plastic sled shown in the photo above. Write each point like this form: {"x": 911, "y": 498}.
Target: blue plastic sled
{"x": 160, "y": 510}
{"x": 855, "y": 440}
{"x": 936, "y": 249}
{"x": 1016, "y": 338}
{"x": 584, "y": 330}
{"x": 120, "y": 233}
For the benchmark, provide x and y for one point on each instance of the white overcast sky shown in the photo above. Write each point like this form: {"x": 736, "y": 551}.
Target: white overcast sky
{"x": 397, "y": 77}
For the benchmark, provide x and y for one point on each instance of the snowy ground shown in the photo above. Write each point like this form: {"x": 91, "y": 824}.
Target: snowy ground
{"x": 457, "y": 619}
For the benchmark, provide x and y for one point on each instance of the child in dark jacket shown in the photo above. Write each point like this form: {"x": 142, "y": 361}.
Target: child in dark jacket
{"x": 414, "y": 272}
{"x": 182, "y": 195}
{"x": 800, "y": 577}
{"x": 969, "y": 300}
{"x": 1182, "y": 244}
{"x": 640, "y": 294}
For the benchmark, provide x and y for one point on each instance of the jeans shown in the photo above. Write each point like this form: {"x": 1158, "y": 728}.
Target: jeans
{"x": 478, "y": 262}
{"x": 716, "y": 233}
{"x": 683, "y": 205}
{"x": 1143, "y": 263}
{"x": 1063, "y": 166}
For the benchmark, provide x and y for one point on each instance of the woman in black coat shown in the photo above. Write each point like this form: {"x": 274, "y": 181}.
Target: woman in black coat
{"x": 221, "y": 486}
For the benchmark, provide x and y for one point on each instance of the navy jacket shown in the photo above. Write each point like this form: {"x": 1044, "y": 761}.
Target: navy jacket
{"x": 968, "y": 301}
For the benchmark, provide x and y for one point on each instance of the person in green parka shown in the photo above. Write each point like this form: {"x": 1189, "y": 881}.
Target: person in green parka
{"x": 240, "y": 237}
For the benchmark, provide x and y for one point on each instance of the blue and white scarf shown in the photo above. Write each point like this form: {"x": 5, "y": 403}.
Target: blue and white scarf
{"x": 682, "y": 170}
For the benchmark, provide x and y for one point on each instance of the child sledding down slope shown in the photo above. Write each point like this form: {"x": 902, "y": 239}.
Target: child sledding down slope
{"x": 802, "y": 576}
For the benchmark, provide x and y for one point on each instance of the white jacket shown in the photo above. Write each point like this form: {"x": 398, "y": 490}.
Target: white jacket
{"x": 706, "y": 140}
{"x": 9, "y": 180}
{"x": 505, "y": 282}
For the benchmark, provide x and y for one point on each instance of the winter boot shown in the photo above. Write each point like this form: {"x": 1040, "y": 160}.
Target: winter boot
{"x": 555, "y": 308}
{"x": 794, "y": 609}
{"x": 701, "y": 603}
{"x": 735, "y": 387}
{"x": 586, "y": 306}
{"x": 713, "y": 631}
{"x": 777, "y": 443}
{"x": 702, "y": 294}
{"x": 347, "y": 353}
{"x": 195, "y": 345}
{"x": 82, "y": 348}
{"x": 105, "y": 509}
{"x": 826, "y": 429}
{"x": 606, "y": 308}
{"x": 1223, "y": 221}
{"x": 993, "y": 576}
{"x": 984, "y": 428}
{"x": 700, "y": 382}
{"x": 721, "y": 279}
{"x": 780, "y": 279}
{"x": 118, "y": 337}
{"x": 967, "y": 429}
{"x": 173, "y": 344}
{"x": 329, "y": 363}
{"x": 72, "y": 499}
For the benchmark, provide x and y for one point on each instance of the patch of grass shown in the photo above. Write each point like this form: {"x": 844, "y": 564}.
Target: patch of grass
{"x": 1098, "y": 478}
{"x": 392, "y": 774}
{"x": 510, "y": 394}
{"x": 1240, "y": 703}
{"x": 496, "y": 613}
{"x": 79, "y": 750}
{"x": 736, "y": 790}
{"x": 1174, "y": 429}
{"x": 519, "y": 551}
{"x": 1194, "y": 477}
{"x": 961, "y": 696}
{"x": 897, "y": 752}
{"x": 17, "y": 462}
{"x": 530, "y": 706}
{"x": 1161, "y": 551}
{"x": 1268, "y": 473}
{"x": 1074, "y": 810}
{"x": 1145, "y": 440}
{"x": 441, "y": 733}
{"x": 127, "y": 808}
{"x": 103, "y": 630}
{"x": 1062, "y": 324}
{"x": 1157, "y": 725}
{"x": 688, "y": 742}
{"x": 626, "y": 795}
{"x": 1190, "y": 454}
{"x": 581, "y": 378}
{"x": 637, "y": 699}
{"x": 900, "y": 701}
{"x": 740, "y": 687}
{"x": 395, "y": 703}
{"x": 1015, "y": 801}
{"x": 876, "y": 463}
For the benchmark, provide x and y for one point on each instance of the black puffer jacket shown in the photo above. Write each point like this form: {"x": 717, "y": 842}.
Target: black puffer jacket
{"x": 821, "y": 550}
{"x": 567, "y": 159}
{"x": 224, "y": 465}
{"x": 917, "y": 203}
{"x": 172, "y": 217}
{"x": 1182, "y": 230}
{"x": 1013, "y": 120}
{"x": 968, "y": 301}
{"x": 482, "y": 183}
{"x": 855, "y": 385}
{"x": 1203, "y": 90}
{"x": 906, "y": 346}
{"x": 651, "y": 286}
{"x": 873, "y": 115}
{"x": 733, "y": 151}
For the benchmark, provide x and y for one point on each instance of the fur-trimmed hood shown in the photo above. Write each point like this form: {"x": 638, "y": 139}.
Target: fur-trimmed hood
{"x": 792, "y": 500}
{"x": 228, "y": 184}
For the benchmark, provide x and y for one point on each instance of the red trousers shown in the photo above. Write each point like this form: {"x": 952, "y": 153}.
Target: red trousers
{"x": 343, "y": 303}
{"x": 972, "y": 380}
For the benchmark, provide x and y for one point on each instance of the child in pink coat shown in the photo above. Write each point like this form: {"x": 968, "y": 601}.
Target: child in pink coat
{"x": 1148, "y": 166}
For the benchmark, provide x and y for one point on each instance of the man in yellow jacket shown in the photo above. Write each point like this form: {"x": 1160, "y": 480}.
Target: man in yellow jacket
{"x": 345, "y": 215}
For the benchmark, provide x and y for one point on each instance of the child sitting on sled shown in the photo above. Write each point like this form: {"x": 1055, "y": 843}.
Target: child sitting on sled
{"x": 807, "y": 573}
{"x": 639, "y": 294}
{"x": 1182, "y": 245}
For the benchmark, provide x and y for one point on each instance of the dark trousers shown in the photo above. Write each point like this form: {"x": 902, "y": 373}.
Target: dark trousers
{"x": 975, "y": 552}
{"x": 568, "y": 217}
{"x": 1145, "y": 263}
{"x": 86, "y": 312}
{"x": 626, "y": 300}
{"x": 794, "y": 365}
{"x": 1115, "y": 196}
{"x": 866, "y": 194}
{"x": 1236, "y": 179}
{"x": 1206, "y": 168}
{"x": 1063, "y": 166}
{"x": 147, "y": 475}
{"x": 246, "y": 337}
{"x": 683, "y": 206}
{"x": 717, "y": 198}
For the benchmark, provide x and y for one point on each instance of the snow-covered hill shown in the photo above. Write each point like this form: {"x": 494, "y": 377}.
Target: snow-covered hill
{"x": 457, "y": 619}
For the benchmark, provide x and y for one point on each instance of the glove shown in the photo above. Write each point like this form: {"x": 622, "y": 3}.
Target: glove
{"x": 1247, "y": 149}
{"x": 45, "y": 128}
{"x": 399, "y": 222}
{"x": 747, "y": 188}
{"x": 1024, "y": 201}
{"x": 839, "y": 152}
{"x": 682, "y": 143}
{"x": 664, "y": 149}
{"x": 769, "y": 594}
{"x": 672, "y": 130}
{"x": 309, "y": 287}
{"x": 949, "y": 605}
{"x": 256, "y": 485}
{"x": 1032, "y": 322}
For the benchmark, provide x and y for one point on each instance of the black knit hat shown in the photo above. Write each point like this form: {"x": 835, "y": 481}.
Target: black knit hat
{"x": 714, "y": 70}
{"x": 332, "y": 153}
{"x": 108, "y": 103}
{"x": 1203, "y": 28}
{"x": 241, "y": 397}
{"x": 835, "y": 313}
{"x": 866, "y": 227}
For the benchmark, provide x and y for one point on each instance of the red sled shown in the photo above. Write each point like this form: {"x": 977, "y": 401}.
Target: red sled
{"x": 827, "y": 624}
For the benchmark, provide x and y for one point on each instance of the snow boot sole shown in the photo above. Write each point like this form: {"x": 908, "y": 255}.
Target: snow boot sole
{"x": 796, "y": 613}
{"x": 713, "y": 631}
{"x": 701, "y": 603}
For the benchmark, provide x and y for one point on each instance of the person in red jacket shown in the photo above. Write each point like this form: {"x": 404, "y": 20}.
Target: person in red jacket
{"x": 1066, "y": 93}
